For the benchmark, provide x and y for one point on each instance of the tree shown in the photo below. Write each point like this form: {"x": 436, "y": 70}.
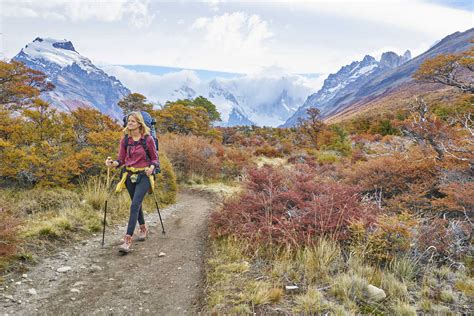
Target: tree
{"x": 312, "y": 125}
{"x": 181, "y": 119}
{"x": 20, "y": 85}
{"x": 134, "y": 102}
{"x": 425, "y": 128}
{"x": 454, "y": 70}
{"x": 202, "y": 102}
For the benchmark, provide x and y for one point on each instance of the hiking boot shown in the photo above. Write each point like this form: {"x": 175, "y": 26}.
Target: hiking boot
{"x": 127, "y": 243}
{"x": 143, "y": 233}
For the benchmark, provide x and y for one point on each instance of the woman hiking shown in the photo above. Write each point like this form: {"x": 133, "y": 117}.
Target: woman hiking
{"x": 138, "y": 156}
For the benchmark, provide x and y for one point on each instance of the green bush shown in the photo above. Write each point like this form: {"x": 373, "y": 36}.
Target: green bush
{"x": 165, "y": 182}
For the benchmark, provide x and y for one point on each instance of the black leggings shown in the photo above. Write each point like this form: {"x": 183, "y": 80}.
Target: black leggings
{"x": 137, "y": 193}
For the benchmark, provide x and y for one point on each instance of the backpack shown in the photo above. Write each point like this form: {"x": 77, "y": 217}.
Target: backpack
{"x": 150, "y": 123}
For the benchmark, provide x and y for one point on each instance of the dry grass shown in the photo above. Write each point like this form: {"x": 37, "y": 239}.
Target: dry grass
{"x": 403, "y": 309}
{"x": 95, "y": 191}
{"x": 320, "y": 261}
{"x": 405, "y": 268}
{"x": 393, "y": 287}
{"x": 312, "y": 302}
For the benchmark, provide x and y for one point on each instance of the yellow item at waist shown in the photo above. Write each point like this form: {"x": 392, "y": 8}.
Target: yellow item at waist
{"x": 122, "y": 181}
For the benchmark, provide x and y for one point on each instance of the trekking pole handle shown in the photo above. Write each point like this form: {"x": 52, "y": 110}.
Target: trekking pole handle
{"x": 108, "y": 175}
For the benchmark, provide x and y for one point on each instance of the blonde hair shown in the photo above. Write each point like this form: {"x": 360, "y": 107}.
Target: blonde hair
{"x": 144, "y": 130}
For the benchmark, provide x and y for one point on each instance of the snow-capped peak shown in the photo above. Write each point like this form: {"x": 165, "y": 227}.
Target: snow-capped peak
{"x": 59, "y": 52}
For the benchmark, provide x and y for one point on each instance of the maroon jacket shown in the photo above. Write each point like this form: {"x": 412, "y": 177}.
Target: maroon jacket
{"x": 135, "y": 155}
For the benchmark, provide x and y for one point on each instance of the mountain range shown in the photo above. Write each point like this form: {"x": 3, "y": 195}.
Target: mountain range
{"x": 270, "y": 98}
{"x": 360, "y": 83}
{"x": 78, "y": 82}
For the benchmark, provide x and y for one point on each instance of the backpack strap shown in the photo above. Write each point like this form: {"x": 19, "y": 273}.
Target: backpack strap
{"x": 143, "y": 143}
{"x": 145, "y": 147}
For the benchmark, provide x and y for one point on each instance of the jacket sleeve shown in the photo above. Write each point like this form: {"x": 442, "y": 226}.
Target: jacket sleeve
{"x": 152, "y": 152}
{"x": 121, "y": 153}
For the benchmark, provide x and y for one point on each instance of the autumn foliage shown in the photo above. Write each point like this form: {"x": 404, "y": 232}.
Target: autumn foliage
{"x": 291, "y": 208}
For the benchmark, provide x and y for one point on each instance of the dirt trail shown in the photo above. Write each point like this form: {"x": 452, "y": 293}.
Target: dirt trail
{"x": 100, "y": 281}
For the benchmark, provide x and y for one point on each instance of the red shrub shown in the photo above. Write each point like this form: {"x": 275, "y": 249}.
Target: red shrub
{"x": 8, "y": 233}
{"x": 447, "y": 239}
{"x": 290, "y": 208}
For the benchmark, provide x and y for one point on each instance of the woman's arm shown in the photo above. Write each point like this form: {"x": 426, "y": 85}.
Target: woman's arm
{"x": 121, "y": 154}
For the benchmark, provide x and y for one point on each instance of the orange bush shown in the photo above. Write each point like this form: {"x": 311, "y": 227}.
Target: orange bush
{"x": 192, "y": 155}
{"x": 394, "y": 175}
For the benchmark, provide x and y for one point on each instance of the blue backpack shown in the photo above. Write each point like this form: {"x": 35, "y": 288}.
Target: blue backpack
{"x": 150, "y": 123}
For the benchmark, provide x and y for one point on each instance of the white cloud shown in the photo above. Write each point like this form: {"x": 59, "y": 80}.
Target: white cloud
{"x": 157, "y": 88}
{"x": 235, "y": 32}
{"x": 417, "y": 16}
{"x": 136, "y": 12}
{"x": 256, "y": 93}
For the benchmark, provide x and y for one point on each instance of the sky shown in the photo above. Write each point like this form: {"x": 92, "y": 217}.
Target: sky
{"x": 234, "y": 36}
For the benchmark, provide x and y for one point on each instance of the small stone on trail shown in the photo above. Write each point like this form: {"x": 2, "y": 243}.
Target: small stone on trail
{"x": 18, "y": 283}
{"x": 79, "y": 283}
{"x": 63, "y": 269}
{"x": 32, "y": 291}
{"x": 75, "y": 291}
{"x": 161, "y": 254}
{"x": 10, "y": 297}
{"x": 25, "y": 276}
{"x": 95, "y": 268}
{"x": 179, "y": 268}
{"x": 291, "y": 288}
{"x": 73, "y": 298}
{"x": 111, "y": 279}
{"x": 146, "y": 292}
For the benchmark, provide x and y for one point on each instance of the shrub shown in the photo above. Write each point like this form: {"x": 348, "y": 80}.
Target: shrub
{"x": 8, "y": 232}
{"x": 394, "y": 175}
{"x": 390, "y": 237}
{"x": 165, "y": 182}
{"x": 447, "y": 239}
{"x": 42, "y": 200}
{"x": 192, "y": 154}
{"x": 268, "y": 151}
{"x": 290, "y": 208}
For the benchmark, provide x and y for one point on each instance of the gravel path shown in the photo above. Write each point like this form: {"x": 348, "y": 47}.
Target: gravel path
{"x": 163, "y": 275}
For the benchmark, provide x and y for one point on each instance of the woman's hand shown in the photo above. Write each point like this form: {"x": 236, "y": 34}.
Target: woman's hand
{"x": 149, "y": 170}
{"x": 110, "y": 163}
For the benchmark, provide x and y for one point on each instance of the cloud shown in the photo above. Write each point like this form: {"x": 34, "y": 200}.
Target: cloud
{"x": 157, "y": 88}
{"x": 418, "y": 16}
{"x": 135, "y": 12}
{"x": 256, "y": 93}
{"x": 235, "y": 32}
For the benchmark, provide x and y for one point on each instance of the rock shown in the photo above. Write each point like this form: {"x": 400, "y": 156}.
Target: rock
{"x": 95, "y": 268}
{"x": 32, "y": 291}
{"x": 179, "y": 268}
{"x": 18, "y": 283}
{"x": 63, "y": 269}
{"x": 79, "y": 283}
{"x": 25, "y": 276}
{"x": 75, "y": 291}
{"x": 73, "y": 298}
{"x": 375, "y": 294}
{"x": 10, "y": 297}
{"x": 146, "y": 292}
{"x": 162, "y": 254}
{"x": 291, "y": 288}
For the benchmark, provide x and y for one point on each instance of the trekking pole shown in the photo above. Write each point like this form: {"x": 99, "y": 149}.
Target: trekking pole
{"x": 105, "y": 206}
{"x": 158, "y": 209}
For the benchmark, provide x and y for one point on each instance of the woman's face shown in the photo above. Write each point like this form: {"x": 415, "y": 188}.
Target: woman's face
{"x": 132, "y": 123}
